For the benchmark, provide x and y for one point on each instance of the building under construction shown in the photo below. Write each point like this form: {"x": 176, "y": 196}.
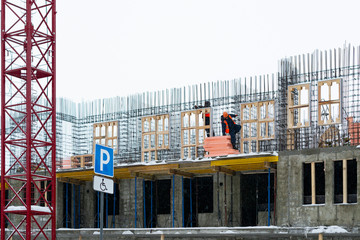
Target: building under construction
{"x": 296, "y": 164}
{"x": 295, "y": 167}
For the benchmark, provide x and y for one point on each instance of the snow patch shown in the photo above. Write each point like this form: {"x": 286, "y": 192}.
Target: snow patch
{"x": 330, "y": 229}
{"x": 33, "y": 208}
{"x": 127, "y": 232}
{"x": 226, "y": 232}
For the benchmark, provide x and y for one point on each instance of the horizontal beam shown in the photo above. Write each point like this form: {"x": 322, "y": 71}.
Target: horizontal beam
{"x": 148, "y": 168}
{"x": 143, "y": 175}
{"x": 224, "y": 170}
{"x": 249, "y": 161}
{"x": 71, "y": 180}
{"x": 269, "y": 165}
{"x": 181, "y": 173}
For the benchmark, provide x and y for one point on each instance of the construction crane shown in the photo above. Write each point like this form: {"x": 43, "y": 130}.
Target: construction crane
{"x": 28, "y": 119}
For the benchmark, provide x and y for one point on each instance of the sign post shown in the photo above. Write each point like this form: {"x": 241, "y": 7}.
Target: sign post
{"x": 104, "y": 165}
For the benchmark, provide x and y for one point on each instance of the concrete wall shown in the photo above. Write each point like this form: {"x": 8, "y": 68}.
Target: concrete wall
{"x": 127, "y": 203}
{"x": 290, "y": 210}
{"x": 226, "y": 205}
{"x": 225, "y": 212}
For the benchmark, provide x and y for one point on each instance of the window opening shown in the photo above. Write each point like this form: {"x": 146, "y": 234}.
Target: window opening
{"x": 345, "y": 181}
{"x": 106, "y": 134}
{"x": 205, "y": 194}
{"x": 163, "y": 196}
{"x": 329, "y": 102}
{"x": 313, "y": 183}
{"x": 194, "y": 129}
{"x": 298, "y": 106}
{"x": 257, "y": 120}
{"x": 155, "y": 136}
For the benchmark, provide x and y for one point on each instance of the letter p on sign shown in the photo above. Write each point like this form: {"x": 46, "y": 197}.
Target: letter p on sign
{"x": 104, "y": 161}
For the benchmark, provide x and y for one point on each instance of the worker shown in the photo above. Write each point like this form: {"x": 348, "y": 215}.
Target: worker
{"x": 229, "y": 126}
{"x": 207, "y": 117}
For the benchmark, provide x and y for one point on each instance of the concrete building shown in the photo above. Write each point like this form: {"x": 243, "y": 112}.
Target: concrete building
{"x": 296, "y": 168}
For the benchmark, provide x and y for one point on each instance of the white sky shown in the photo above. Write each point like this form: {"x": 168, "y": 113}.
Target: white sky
{"x": 120, "y": 47}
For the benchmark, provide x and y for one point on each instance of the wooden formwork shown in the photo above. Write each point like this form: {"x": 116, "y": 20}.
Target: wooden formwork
{"x": 255, "y": 115}
{"x": 329, "y": 93}
{"x": 298, "y": 106}
{"x": 193, "y": 131}
{"x": 106, "y": 134}
{"x": 155, "y": 135}
{"x": 86, "y": 160}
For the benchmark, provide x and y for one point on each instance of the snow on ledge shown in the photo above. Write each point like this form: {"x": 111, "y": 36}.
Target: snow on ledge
{"x": 33, "y": 208}
{"x": 328, "y": 229}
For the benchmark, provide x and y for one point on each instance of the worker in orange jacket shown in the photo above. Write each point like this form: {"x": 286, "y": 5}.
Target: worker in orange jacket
{"x": 229, "y": 126}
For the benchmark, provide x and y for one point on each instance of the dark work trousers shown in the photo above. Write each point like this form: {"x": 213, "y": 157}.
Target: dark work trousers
{"x": 233, "y": 138}
{"x": 207, "y": 123}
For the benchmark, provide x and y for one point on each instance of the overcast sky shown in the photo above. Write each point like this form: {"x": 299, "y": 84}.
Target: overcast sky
{"x": 119, "y": 47}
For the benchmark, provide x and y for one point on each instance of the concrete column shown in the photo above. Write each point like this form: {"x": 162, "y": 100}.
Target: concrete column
{"x": 127, "y": 203}
{"x": 178, "y": 202}
{"x": 236, "y": 213}
{"x": 88, "y": 205}
{"x": 59, "y": 204}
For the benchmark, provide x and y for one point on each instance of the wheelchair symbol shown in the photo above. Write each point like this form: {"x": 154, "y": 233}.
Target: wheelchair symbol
{"x": 103, "y": 186}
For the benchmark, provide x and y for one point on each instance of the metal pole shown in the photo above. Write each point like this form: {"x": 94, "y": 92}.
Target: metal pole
{"x": 225, "y": 202}
{"x": 107, "y": 211}
{"x": 269, "y": 197}
{"x": 74, "y": 207}
{"x": 135, "y": 202}
{"x": 79, "y": 208}
{"x": 101, "y": 215}
{"x": 66, "y": 205}
{"x": 151, "y": 204}
{"x": 173, "y": 202}
{"x": 98, "y": 209}
{"x": 218, "y": 197}
{"x": 191, "y": 220}
{"x": 144, "y": 204}
{"x": 182, "y": 204}
{"x": 114, "y": 202}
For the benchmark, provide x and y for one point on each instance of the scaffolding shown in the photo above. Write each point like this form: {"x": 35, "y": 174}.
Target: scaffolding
{"x": 76, "y": 121}
{"x": 312, "y": 102}
{"x": 319, "y": 99}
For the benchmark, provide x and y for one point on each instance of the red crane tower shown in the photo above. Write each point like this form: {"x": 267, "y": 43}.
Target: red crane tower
{"x": 28, "y": 119}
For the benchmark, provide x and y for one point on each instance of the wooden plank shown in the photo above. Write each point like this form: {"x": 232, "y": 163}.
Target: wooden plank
{"x": 247, "y": 167}
{"x": 75, "y": 173}
{"x": 194, "y": 166}
{"x": 313, "y": 184}
{"x": 292, "y": 105}
{"x": 153, "y": 167}
{"x": 224, "y": 170}
{"x": 240, "y": 161}
{"x": 181, "y": 173}
{"x": 345, "y": 192}
{"x": 143, "y": 175}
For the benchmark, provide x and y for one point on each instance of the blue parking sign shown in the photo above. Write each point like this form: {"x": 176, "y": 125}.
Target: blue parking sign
{"x": 104, "y": 161}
